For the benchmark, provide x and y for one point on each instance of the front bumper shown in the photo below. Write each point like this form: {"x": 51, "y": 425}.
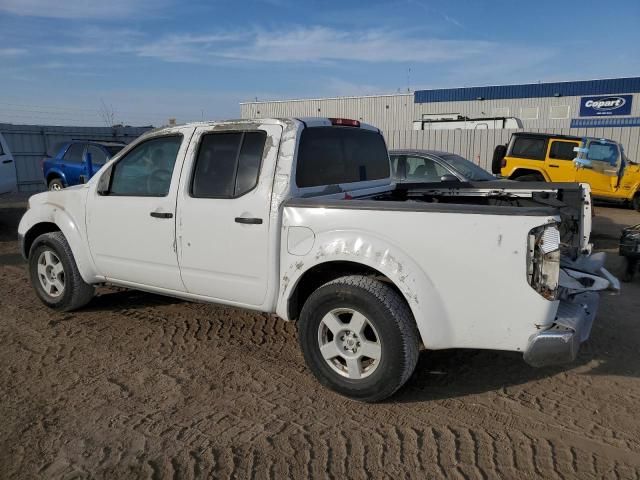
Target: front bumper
{"x": 572, "y": 326}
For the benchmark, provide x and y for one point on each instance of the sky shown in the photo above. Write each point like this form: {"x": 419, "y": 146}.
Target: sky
{"x": 141, "y": 62}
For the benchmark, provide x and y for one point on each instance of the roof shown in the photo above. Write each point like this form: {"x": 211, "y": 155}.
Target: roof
{"x": 105, "y": 143}
{"x": 420, "y": 151}
{"x": 563, "y": 137}
{"x": 531, "y": 90}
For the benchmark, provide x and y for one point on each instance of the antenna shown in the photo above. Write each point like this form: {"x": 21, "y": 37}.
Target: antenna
{"x": 408, "y": 79}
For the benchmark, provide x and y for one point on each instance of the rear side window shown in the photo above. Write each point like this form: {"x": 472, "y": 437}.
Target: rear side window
{"x": 228, "y": 164}
{"x": 529, "y": 147}
{"x": 97, "y": 155}
{"x": 74, "y": 153}
{"x": 563, "y": 150}
{"x": 334, "y": 155}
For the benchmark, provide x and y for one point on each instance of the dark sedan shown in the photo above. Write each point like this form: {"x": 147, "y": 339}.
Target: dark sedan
{"x": 426, "y": 166}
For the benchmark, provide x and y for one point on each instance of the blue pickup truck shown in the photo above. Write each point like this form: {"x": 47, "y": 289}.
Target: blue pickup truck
{"x": 77, "y": 161}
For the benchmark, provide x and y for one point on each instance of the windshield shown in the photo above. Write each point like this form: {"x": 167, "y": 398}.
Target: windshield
{"x": 467, "y": 168}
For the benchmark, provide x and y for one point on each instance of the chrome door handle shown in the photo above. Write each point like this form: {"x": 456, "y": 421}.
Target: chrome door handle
{"x": 161, "y": 215}
{"x": 249, "y": 221}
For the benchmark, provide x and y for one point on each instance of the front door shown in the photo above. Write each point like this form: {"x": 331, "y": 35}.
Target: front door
{"x": 223, "y": 214}
{"x": 602, "y": 173}
{"x": 131, "y": 214}
{"x": 560, "y": 166}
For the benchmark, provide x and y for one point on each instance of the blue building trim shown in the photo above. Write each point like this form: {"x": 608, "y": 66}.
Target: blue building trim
{"x": 605, "y": 122}
{"x": 530, "y": 90}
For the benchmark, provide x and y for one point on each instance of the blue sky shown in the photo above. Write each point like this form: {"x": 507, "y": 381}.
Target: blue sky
{"x": 149, "y": 60}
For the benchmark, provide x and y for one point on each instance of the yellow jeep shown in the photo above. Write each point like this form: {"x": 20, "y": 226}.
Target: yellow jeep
{"x": 542, "y": 157}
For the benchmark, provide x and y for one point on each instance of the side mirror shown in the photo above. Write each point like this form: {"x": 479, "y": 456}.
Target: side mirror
{"x": 449, "y": 178}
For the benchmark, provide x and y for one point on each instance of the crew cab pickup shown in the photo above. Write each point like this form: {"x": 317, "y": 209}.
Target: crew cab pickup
{"x": 300, "y": 217}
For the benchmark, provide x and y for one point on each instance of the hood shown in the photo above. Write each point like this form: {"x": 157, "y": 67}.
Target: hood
{"x": 58, "y": 198}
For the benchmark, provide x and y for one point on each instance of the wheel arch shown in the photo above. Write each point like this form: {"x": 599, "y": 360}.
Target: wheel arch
{"x": 521, "y": 171}
{"x": 339, "y": 255}
{"x": 54, "y": 220}
{"x": 55, "y": 173}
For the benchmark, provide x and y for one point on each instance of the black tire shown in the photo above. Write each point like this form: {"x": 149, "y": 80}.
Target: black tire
{"x": 75, "y": 293}
{"x": 530, "y": 178}
{"x": 635, "y": 203}
{"x": 393, "y": 326}
{"x": 496, "y": 162}
{"x": 55, "y": 184}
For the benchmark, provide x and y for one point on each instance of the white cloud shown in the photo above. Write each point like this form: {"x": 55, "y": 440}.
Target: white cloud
{"x": 98, "y": 9}
{"x": 12, "y": 52}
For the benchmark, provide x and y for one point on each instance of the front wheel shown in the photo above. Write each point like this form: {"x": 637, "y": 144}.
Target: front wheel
{"x": 54, "y": 274}
{"x": 359, "y": 338}
{"x": 530, "y": 178}
{"x": 55, "y": 185}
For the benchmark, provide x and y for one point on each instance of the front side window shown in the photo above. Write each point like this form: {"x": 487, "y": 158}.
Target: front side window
{"x": 421, "y": 169}
{"x": 606, "y": 152}
{"x": 74, "y": 153}
{"x": 146, "y": 170}
{"x": 228, "y": 164}
{"x": 563, "y": 150}
{"x": 529, "y": 147}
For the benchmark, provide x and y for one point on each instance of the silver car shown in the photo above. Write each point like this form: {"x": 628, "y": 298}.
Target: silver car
{"x": 426, "y": 166}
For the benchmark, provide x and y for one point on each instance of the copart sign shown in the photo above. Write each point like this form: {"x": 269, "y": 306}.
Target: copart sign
{"x": 605, "y": 105}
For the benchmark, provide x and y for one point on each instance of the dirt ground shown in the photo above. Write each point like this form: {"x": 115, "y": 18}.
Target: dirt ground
{"x": 140, "y": 386}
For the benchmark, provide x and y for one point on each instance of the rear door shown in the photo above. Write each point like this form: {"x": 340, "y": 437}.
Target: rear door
{"x": 560, "y": 156}
{"x": 223, "y": 214}
{"x": 72, "y": 165}
{"x": 7, "y": 169}
{"x": 98, "y": 159}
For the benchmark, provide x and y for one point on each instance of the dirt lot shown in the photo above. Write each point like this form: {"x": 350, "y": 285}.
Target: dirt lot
{"x": 139, "y": 386}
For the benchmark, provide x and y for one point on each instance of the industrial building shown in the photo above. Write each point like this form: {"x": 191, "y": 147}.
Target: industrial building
{"x": 582, "y": 104}
{"x": 471, "y": 121}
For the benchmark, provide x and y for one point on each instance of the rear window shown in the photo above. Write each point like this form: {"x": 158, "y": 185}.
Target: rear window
{"x": 334, "y": 155}
{"x": 529, "y": 147}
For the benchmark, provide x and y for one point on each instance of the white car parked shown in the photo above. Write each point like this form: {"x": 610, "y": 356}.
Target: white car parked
{"x": 8, "y": 181}
{"x": 300, "y": 217}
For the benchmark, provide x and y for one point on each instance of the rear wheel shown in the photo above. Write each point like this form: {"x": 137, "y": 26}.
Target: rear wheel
{"x": 533, "y": 177}
{"x": 55, "y": 184}
{"x": 54, "y": 274}
{"x": 359, "y": 338}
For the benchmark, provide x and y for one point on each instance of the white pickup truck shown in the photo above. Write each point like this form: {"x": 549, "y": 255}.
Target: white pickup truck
{"x": 299, "y": 217}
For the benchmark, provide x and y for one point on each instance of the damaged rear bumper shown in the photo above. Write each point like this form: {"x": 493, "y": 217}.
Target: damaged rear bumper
{"x": 581, "y": 282}
{"x": 572, "y": 326}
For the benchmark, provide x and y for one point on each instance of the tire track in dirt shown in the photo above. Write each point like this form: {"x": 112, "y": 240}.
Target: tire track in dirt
{"x": 138, "y": 386}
